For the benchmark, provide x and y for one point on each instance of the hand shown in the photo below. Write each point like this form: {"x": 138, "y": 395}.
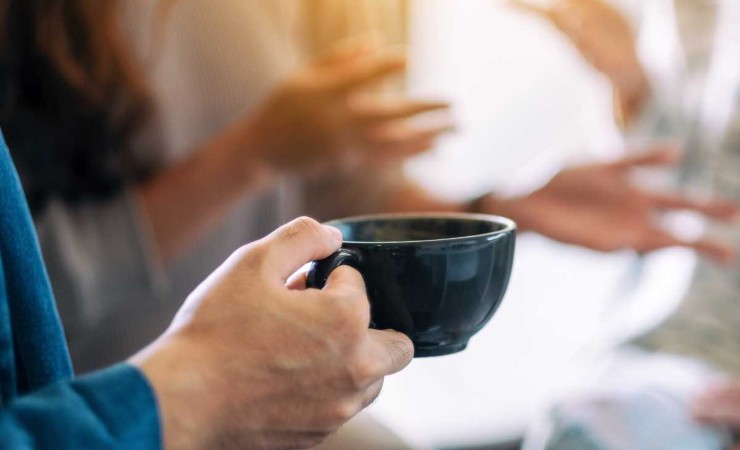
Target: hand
{"x": 720, "y": 405}
{"x": 320, "y": 118}
{"x": 606, "y": 40}
{"x": 596, "y": 206}
{"x": 250, "y": 363}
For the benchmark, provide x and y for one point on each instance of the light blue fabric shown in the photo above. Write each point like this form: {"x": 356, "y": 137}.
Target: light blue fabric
{"x": 646, "y": 419}
{"x": 41, "y": 406}
{"x": 634, "y": 400}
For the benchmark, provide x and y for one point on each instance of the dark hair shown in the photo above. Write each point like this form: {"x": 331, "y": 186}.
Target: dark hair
{"x": 72, "y": 97}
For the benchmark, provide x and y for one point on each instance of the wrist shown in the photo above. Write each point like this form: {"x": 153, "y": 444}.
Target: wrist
{"x": 478, "y": 205}
{"x": 240, "y": 153}
{"x": 186, "y": 403}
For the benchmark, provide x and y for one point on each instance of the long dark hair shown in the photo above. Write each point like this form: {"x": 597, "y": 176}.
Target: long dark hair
{"x": 72, "y": 96}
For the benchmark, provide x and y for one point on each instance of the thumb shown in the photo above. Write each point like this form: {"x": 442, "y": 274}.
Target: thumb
{"x": 394, "y": 350}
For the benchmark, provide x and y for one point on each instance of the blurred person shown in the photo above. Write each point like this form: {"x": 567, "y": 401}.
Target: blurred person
{"x": 719, "y": 405}
{"x": 177, "y": 138}
{"x": 190, "y": 137}
{"x": 693, "y": 100}
{"x": 605, "y": 38}
{"x": 268, "y": 363}
{"x": 114, "y": 210}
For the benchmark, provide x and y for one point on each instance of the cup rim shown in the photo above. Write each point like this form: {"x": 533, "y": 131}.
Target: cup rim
{"x": 508, "y": 226}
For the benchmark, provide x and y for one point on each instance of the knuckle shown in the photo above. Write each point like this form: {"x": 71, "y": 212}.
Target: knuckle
{"x": 353, "y": 284}
{"x": 352, "y": 319}
{"x": 362, "y": 373}
{"x": 251, "y": 255}
{"x": 361, "y": 315}
{"x": 344, "y": 411}
{"x": 373, "y": 393}
{"x": 316, "y": 439}
{"x": 303, "y": 225}
{"x": 357, "y": 305}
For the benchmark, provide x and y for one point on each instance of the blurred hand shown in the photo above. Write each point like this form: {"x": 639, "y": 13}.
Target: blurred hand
{"x": 321, "y": 118}
{"x": 720, "y": 405}
{"x": 596, "y": 206}
{"x": 606, "y": 40}
{"x": 250, "y": 363}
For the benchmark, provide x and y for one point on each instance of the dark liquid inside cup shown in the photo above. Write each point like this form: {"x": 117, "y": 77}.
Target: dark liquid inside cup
{"x": 419, "y": 229}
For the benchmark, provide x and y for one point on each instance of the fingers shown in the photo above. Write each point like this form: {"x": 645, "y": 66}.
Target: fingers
{"x": 351, "y": 48}
{"x": 387, "y": 135}
{"x": 372, "y": 393}
{"x": 718, "y": 209}
{"x": 297, "y": 281}
{"x": 718, "y": 251}
{"x": 719, "y": 411}
{"x": 293, "y": 245}
{"x": 659, "y": 239}
{"x": 364, "y": 71}
{"x": 403, "y": 141}
{"x": 397, "y": 133}
{"x": 659, "y": 156}
{"x": 719, "y": 414}
{"x": 347, "y": 281}
{"x": 393, "y": 152}
{"x": 723, "y": 388}
{"x": 366, "y": 112}
{"x": 393, "y": 350}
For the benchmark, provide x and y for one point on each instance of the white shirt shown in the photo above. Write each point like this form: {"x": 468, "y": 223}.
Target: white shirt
{"x": 704, "y": 113}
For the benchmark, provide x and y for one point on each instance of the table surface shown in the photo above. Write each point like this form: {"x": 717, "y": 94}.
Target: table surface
{"x": 563, "y": 304}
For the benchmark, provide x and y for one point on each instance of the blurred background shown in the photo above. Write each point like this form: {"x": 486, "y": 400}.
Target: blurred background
{"x": 526, "y": 105}
{"x": 170, "y": 133}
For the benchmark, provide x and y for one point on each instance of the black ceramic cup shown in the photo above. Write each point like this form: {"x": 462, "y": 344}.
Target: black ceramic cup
{"x": 437, "y": 278}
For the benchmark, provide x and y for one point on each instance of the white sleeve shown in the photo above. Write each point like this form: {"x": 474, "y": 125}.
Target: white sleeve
{"x": 675, "y": 47}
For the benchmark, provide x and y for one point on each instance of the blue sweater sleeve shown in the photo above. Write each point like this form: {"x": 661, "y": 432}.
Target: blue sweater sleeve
{"x": 112, "y": 409}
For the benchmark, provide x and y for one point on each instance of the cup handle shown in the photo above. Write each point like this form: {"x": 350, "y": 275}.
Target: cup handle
{"x": 321, "y": 270}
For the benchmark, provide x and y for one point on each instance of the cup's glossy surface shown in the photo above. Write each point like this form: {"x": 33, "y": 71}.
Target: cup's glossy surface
{"x": 437, "y": 278}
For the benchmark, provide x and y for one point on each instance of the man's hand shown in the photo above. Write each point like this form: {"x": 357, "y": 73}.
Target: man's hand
{"x": 250, "y": 362}
{"x": 323, "y": 116}
{"x": 606, "y": 40}
{"x": 597, "y": 206}
{"x": 720, "y": 405}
